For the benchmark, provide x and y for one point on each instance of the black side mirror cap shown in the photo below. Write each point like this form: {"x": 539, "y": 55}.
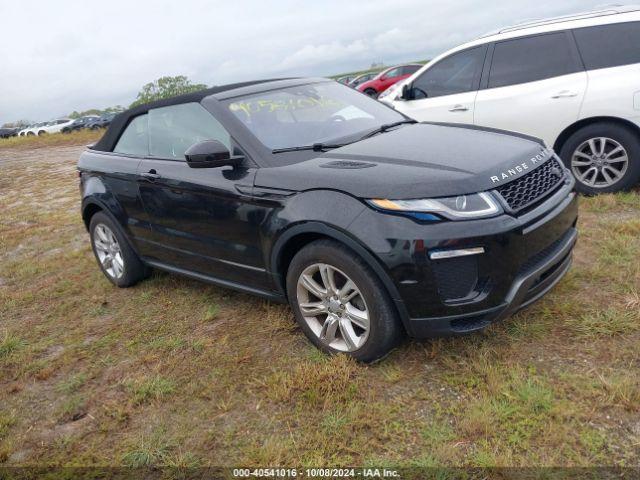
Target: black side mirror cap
{"x": 210, "y": 154}
{"x": 407, "y": 92}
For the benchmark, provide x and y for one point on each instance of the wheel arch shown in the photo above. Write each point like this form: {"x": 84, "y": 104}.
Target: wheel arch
{"x": 89, "y": 209}
{"x": 297, "y": 237}
{"x": 573, "y": 128}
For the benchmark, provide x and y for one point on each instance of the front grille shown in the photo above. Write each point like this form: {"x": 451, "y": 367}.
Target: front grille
{"x": 534, "y": 186}
{"x": 456, "y": 277}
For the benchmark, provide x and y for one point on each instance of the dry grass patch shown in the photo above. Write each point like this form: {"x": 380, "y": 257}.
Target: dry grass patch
{"x": 325, "y": 383}
{"x": 80, "y": 137}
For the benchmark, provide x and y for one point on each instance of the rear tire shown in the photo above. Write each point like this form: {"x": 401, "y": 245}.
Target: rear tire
{"x": 357, "y": 318}
{"x": 371, "y": 92}
{"x": 596, "y": 155}
{"x": 115, "y": 257}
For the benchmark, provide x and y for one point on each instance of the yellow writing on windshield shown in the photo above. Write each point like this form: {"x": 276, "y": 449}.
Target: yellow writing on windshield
{"x": 269, "y": 105}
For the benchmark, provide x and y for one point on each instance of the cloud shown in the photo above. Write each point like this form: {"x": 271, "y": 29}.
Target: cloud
{"x": 73, "y": 55}
{"x": 324, "y": 53}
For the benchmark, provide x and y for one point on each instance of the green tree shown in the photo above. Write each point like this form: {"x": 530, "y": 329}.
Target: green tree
{"x": 166, "y": 87}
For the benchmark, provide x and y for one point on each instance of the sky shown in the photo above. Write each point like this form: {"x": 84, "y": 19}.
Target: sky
{"x": 66, "y": 55}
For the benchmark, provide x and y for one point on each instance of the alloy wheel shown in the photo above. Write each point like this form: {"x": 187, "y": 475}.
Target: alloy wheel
{"x": 599, "y": 162}
{"x": 333, "y": 307}
{"x": 108, "y": 251}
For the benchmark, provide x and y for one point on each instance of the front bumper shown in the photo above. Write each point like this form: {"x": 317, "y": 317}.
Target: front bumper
{"x": 524, "y": 258}
{"x": 531, "y": 285}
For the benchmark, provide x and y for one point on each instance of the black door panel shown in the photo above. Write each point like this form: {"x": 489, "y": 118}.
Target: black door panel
{"x": 201, "y": 222}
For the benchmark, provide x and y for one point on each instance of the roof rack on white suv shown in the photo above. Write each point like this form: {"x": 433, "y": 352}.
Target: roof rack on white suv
{"x": 603, "y": 11}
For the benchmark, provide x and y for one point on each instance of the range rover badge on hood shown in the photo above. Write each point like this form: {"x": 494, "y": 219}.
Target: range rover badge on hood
{"x": 522, "y": 167}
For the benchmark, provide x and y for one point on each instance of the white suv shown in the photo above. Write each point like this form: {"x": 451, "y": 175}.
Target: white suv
{"x": 572, "y": 81}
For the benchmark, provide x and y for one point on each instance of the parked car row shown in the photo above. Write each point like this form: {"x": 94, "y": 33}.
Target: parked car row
{"x": 91, "y": 122}
{"x": 64, "y": 125}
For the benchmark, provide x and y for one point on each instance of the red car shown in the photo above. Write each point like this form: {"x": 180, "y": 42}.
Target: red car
{"x": 386, "y": 78}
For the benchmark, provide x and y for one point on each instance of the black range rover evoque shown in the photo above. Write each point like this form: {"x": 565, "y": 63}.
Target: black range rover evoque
{"x": 370, "y": 225}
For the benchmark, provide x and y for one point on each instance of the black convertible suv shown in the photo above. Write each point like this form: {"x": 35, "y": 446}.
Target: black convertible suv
{"x": 369, "y": 224}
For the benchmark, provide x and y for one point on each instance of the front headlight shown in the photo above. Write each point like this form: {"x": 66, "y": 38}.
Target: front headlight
{"x": 461, "y": 207}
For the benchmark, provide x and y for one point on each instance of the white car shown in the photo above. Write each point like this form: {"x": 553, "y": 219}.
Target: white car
{"x": 54, "y": 126}
{"x": 31, "y": 129}
{"x": 573, "y": 81}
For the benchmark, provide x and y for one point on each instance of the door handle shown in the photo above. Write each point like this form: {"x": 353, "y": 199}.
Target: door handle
{"x": 565, "y": 94}
{"x": 151, "y": 175}
{"x": 459, "y": 108}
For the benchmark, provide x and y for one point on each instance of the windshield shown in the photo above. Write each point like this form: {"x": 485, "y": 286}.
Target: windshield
{"x": 308, "y": 114}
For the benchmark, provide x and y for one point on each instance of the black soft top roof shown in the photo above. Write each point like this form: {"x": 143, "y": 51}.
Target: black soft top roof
{"x": 120, "y": 121}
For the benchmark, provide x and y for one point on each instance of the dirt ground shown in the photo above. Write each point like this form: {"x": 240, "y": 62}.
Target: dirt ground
{"x": 176, "y": 372}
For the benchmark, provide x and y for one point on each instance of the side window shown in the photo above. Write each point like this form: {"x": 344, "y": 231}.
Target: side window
{"x": 530, "y": 59}
{"x": 172, "y": 130}
{"x": 457, "y": 73}
{"x": 410, "y": 69}
{"x": 609, "y": 45}
{"x": 135, "y": 138}
{"x": 396, "y": 72}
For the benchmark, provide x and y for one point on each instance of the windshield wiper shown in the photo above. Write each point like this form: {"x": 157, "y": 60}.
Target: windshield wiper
{"x": 320, "y": 147}
{"x": 316, "y": 147}
{"x": 385, "y": 127}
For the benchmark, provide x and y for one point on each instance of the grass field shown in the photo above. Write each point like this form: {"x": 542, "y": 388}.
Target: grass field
{"x": 176, "y": 372}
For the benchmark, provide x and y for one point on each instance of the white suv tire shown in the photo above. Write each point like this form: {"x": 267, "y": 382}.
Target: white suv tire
{"x": 596, "y": 155}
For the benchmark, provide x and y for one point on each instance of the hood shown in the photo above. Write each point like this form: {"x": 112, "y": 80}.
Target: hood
{"x": 415, "y": 161}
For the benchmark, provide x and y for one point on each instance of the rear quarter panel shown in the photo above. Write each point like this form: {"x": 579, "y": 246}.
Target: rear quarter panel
{"x": 110, "y": 181}
{"x": 613, "y": 92}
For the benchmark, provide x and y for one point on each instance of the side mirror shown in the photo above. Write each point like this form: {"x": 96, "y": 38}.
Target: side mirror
{"x": 210, "y": 154}
{"x": 407, "y": 92}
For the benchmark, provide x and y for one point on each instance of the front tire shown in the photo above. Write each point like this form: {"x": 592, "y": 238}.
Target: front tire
{"x": 340, "y": 303}
{"x": 371, "y": 92}
{"x": 115, "y": 257}
{"x": 603, "y": 157}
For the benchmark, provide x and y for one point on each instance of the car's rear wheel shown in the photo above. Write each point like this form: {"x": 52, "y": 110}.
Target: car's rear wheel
{"x": 117, "y": 260}
{"x": 41, "y": 132}
{"x": 371, "y": 92}
{"x": 340, "y": 303}
{"x": 603, "y": 157}
{"x": 31, "y": 134}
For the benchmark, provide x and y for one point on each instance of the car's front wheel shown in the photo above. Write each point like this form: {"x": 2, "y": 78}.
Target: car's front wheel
{"x": 340, "y": 303}
{"x": 371, "y": 92}
{"x": 117, "y": 260}
{"x": 603, "y": 157}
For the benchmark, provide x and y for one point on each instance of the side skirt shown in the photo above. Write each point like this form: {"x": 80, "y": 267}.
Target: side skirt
{"x": 274, "y": 297}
